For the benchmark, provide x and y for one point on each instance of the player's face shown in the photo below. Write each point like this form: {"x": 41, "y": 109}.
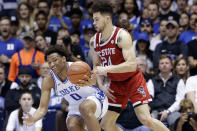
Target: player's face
{"x": 26, "y": 102}
{"x": 56, "y": 62}
{"x": 99, "y": 21}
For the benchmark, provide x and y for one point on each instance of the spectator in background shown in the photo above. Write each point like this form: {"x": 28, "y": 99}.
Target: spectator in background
{"x": 171, "y": 47}
{"x": 146, "y": 25}
{"x": 191, "y": 90}
{"x": 145, "y": 13}
{"x": 41, "y": 43}
{"x": 132, "y": 9}
{"x": 67, "y": 45}
{"x": 42, "y": 23}
{"x": 190, "y": 34}
{"x": 8, "y": 44}
{"x": 192, "y": 56}
{"x": 181, "y": 68}
{"x": 14, "y": 26}
{"x": 26, "y": 22}
{"x": 181, "y": 6}
{"x": 153, "y": 10}
{"x": 123, "y": 21}
{"x": 43, "y": 5}
{"x": 75, "y": 18}
{"x": 44, "y": 70}
{"x": 5, "y": 84}
{"x": 183, "y": 22}
{"x": 62, "y": 33}
{"x": 12, "y": 96}
{"x": 193, "y": 8}
{"x": 89, "y": 32}
{"x": 128, "y": 120}
{"x": 15, "y": 121}
{"x": 142, "y": 50}
{"x": 188, "y": 120}
{"x": 56, "y": 18}
{"x": 167, "y": 90}
{"x": 160, "y": 37}
{"x": 28, "y": 57}
{"x": 165, "y": 12}
{"x": 75, "y": 47}
{"x": 142, "y": 65}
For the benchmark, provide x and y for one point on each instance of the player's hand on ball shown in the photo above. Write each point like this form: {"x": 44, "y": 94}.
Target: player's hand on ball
{"x": 99, "y": 70}
{"x": 89, "y": 81}
{"x": 28, "y": 121}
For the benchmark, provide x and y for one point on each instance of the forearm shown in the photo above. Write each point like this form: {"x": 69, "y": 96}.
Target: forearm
{"x": 122, "y": 68}
{"x": 38, "y": 129}
{"x": 99, "y": 80}
{"x": 179, "y": 127}
{"x": 39, "y": 114}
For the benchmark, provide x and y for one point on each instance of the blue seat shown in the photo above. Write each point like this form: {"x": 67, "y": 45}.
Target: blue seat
{"x": 49, "y": 121}
{"x": 1, "y": 120}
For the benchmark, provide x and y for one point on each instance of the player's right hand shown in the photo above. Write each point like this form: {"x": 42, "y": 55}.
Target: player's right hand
{"x": 88, "y": 82}
{"x": 108, "y": 92}
{"x": 28, "y": 121}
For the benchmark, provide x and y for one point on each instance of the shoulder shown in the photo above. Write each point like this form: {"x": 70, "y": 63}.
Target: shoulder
{"x": 14, "y": 113}
{"x": 124, "y": 33}
{"x": 192, "y": 79}
{"x": 40, "y": 53}
{"x": 92, "y": 40}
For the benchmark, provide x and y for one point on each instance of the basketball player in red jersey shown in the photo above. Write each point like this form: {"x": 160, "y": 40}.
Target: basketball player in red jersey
{"x": 112, "y": 47}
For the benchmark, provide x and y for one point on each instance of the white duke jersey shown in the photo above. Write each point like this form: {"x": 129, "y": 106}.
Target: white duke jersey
{"x": 72, "y": 93}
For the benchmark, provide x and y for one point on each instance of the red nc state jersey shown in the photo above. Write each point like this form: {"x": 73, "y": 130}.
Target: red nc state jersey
{"x": 111, "y": 54}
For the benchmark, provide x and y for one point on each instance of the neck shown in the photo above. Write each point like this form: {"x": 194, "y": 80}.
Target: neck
{"x": 156, "y": 20}
{"x": 63, "y": 73}
{"x": 165, "y": 11}
{"x": 165, "y": 75}
{"x": 6, "y": 38}
{"x": 28, "y": 49}
{"x": 107, "y": 32}
{"x": 141, "y": 52}
{"x": 172, "y": 40}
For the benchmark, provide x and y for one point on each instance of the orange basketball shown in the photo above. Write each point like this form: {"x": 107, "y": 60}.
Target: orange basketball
{"x": 77, "y": 70}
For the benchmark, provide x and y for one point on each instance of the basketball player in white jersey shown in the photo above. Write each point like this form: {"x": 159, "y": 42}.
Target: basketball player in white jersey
{"x": 86, "y": 104}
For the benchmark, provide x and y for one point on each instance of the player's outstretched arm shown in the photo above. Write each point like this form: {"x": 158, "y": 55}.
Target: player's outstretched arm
{"x": 125, "y": 44}
{"x": 47, "y": 85}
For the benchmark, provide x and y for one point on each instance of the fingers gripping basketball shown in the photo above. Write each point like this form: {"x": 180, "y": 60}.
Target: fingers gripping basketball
{"x": 77, "y": 71}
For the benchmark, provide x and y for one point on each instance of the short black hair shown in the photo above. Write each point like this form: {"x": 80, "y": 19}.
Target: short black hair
{"x": 55, "y": 49}
{"x": 103, "y": 6}
{"x": 76, "y": 11}
{"x": 41, "y": 12}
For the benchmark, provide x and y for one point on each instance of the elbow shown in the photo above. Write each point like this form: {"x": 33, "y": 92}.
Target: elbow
{"x": 132, "y": 67}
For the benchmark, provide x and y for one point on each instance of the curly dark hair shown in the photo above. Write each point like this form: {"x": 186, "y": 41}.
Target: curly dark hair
{"x": 55, "y": 49}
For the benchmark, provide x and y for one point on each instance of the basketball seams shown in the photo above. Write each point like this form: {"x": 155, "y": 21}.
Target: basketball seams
{"x": 78, "y": 66}
{"x": 77, "y": 70}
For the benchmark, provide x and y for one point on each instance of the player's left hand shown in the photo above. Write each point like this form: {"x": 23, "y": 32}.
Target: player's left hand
{"x": 164, "y": 115}
{"x": 90, "y": 81}
{"x": 99, "y": 70}
{"x": 28, "y": 121}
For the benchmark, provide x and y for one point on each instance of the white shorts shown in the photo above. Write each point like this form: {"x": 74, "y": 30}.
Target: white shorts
{"x": 101, "y": 106}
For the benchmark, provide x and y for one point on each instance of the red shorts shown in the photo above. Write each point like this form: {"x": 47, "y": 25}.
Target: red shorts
{"x": 134, "y": 89}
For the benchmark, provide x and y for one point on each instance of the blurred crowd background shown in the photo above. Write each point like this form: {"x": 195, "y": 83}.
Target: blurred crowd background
{"x": 164, "y": 34}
